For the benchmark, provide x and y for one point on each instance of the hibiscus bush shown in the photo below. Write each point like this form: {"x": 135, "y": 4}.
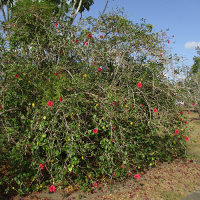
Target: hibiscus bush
{"x": 83, "y": 103}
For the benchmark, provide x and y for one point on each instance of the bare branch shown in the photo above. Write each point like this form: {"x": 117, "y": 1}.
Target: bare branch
{"x": 73, "y": 8}
{"x": 12, "y": 109}
{"x": 79, "y": 6}
{"x": 105, "y": 7}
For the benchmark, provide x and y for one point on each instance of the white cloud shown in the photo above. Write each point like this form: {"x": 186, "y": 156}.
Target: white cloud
{"x": 189, "y": 45}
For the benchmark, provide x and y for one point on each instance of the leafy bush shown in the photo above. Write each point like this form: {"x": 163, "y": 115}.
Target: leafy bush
{"x": 86, "y": 102}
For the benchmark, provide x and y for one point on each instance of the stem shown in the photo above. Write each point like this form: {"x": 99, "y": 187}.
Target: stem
{"x": 12, "y": 109}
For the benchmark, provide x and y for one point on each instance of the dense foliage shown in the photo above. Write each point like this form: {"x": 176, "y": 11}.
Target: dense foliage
{"x": 82, "y": 103}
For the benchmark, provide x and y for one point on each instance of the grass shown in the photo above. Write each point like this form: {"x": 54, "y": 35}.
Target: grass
{"x": 193, "y": 146}
{"x": 166, "y": 181}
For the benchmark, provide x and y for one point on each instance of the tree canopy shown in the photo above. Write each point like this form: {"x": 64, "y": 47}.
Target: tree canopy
{"x": 196, "y": 66}
{"x": 60, "y": 8}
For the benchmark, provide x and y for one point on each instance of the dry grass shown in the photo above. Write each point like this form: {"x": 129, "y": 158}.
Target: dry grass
{"x": 194, "y": 144}
{"x": 172, "y": 181}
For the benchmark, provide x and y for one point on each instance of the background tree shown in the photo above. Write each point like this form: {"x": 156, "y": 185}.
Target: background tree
{"x": 196, "y": 66}
{"x": 191, "y": 85}
{"x": 61, "y": 7}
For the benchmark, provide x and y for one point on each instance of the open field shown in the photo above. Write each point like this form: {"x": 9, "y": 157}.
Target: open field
{"x": 166, "y": 181}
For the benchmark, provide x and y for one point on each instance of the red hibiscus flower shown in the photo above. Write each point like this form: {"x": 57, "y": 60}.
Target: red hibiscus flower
{"x": 60, "y": 99}
{"x": 101, "y": 36}
{"x": 176, "y": 132}
{"x": 115, "y": 103}
{"x": 90, "y": 36}
{"x": 63, "y": 53}
{"x": 76, "y": 41}
{"x": 95, "y": 184}
{"x": 113, "y": 127}
{"x": 56, "y": 74}
{"x": 193, "y": 104}
{"x": 50, "y": 103}
{"x": 42, "y": 166}
{"x": 187, "y": 138}
{"x": 181, "y": 112}
{"x": 186, "y": 122}
{"x": 16, "y": 75}
{"x": 99, "y": 69}
{"x": 95, "y": 130}
{"x": 56, "y": 24}
{"x": 155, "y": 110}
{"x": 52, "y": 188}
{"x": 136, "y": 176}
{"x": 168, "y": 41}
{"x": 139, "y": 85}
{"x": 183, "y": 135}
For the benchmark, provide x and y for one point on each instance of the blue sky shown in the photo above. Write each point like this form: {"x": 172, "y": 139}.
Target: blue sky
{"x": 180, "y": 16}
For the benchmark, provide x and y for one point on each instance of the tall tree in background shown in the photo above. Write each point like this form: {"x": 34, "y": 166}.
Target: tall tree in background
{"x": 196, "y": 66}
{"x": 192, "y": 84}
{"x": 61, "y": 7}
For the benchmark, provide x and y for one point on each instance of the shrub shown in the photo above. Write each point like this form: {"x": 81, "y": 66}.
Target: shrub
{"x": 84, "y": 102}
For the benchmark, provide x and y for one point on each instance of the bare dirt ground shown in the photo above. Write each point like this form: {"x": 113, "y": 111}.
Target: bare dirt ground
{"x": 166, "y": 181}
